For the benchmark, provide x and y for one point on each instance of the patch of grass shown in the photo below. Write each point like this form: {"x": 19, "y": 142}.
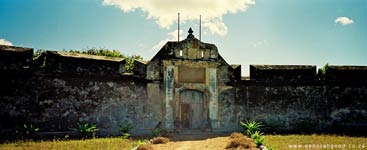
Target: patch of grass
{"x": 160, "y": 140}
{"x": 100, "y": 143}
{"x": 284, "y": 141}
{"x": 138, "y": 143}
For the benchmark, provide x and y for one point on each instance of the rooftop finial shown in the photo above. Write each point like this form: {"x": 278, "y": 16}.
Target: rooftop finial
{"x": 190, "y": 31}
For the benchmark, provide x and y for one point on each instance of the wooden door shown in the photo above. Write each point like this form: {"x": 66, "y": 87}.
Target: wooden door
{"x": 191, "y": 109}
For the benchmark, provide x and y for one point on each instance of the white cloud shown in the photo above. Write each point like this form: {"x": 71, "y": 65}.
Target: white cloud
{"x": 344, "y": 20}
{"x": 165, "y": 11}
{"x": 5, "y": 42}
{"x": 216, "y": 27}
{"x": 172, "y": 36}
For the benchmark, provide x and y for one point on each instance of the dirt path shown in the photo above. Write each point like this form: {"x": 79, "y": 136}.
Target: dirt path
{"x": 197, "y": 140}
{"x": 218, "y": 143}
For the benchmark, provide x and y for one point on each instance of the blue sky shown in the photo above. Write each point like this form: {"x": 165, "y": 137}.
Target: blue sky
{"x": 245, "y": 31}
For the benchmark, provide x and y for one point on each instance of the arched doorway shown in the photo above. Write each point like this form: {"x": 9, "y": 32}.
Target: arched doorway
{"x": 191, "y": 109}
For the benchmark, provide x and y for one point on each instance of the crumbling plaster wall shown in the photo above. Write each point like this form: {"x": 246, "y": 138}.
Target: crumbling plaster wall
{"x": 301, "y": 108}
{"x": 190, "y": 53}
{"x": 56, "y": 99}
{"x": 57, "y": 103}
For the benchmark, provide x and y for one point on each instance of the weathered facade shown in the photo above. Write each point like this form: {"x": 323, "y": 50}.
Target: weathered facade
{"x": 192, "y": 75}
{"x": 187, "y": 81}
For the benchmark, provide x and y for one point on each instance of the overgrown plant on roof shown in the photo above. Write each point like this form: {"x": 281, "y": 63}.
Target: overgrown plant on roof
{"x": 100, "y": 52}
{"x": 323, "y": 70}
{"x": 129, "y": 66}
{"x": 39, "y": 59}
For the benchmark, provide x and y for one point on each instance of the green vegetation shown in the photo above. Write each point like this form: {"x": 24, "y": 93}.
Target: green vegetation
{"x": 37, "y": 54}
{"x": 251, "y": 127}
{"x": 85, "y": 130}
{"x": 100, "y": 143}
{"x": 285, "y": 141}
{"x": 258, "y": 138}
{"x": 129, "y": 66}
{"x": 125, "y": 129}
{"x": 281, "y": 142}
{"x": 100, "y": 52}
{"x": 323, "y": 70}
{"x": 305, "y": 141}
{"x": 138, "y": 143}
{"x": 39, "y": 58}
{"x": 28, "y": 131}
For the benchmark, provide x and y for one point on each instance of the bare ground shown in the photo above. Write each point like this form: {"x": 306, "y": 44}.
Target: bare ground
{"x": 214, "y": 143}
{"x": 218, "y": 143}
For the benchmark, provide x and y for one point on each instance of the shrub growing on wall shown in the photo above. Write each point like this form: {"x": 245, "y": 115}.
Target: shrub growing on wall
{"x": 322, "y": 71}
{"x": 129, "y": 66}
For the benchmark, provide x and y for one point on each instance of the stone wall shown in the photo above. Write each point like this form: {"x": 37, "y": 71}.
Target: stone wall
{"x": 73, "y": 64}
{"x": 67, "y": 90}
{"x": 62, "y": 90}
{"x": 304, "y": 108}
{"x": 57, "y": 103}
{"x": 333, "y": 102}
{"x": 15, "y": 58}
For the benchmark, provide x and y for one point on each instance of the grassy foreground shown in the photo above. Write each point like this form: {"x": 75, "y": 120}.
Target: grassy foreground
{"x": 279, "y": 142}
{"x": 314, "y": 141}
{"x": 99, "y": 143}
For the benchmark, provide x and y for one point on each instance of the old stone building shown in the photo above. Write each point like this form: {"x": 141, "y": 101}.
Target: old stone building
{"x": 192, "y": 76}
{"x": 187, "y": 81}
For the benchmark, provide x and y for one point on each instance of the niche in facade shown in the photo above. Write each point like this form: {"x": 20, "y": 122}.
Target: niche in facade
{"x": 191, "y": 75}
